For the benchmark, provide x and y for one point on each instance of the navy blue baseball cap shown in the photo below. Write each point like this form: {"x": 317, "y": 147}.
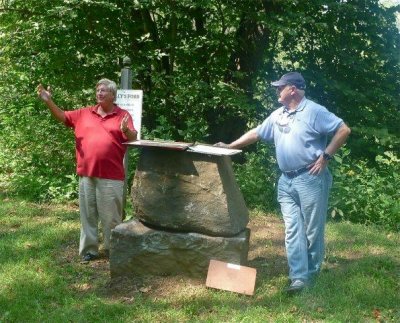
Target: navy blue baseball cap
{"x": 292, "y": 78}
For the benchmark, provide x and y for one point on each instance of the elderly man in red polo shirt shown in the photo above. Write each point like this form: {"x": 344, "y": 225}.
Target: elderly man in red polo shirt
{"x": 100, "y": 131}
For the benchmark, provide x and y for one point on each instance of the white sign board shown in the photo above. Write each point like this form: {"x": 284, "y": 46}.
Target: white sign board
{"x": 131, "y": 100}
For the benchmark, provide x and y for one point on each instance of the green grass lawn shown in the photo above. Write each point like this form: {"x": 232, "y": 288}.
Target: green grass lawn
{"x": 42, "y": 279}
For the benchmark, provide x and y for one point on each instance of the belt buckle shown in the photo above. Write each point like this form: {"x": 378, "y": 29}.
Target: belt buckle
{"x": 295, "y": 173}
{"x": 291, "y": 174}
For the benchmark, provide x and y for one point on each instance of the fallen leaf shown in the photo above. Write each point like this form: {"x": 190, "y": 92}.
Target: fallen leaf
{"x": 377, "y": 313}
{"x": 145, "y": 289}
{"x": 128, "y": 300}
{"x": 82, "y": 287}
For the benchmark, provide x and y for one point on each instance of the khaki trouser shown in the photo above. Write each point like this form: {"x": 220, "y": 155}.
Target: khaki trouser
{"x": 99, "y": 199}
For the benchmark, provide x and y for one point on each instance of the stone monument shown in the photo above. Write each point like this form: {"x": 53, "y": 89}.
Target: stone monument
{"x": 189, "y": 209}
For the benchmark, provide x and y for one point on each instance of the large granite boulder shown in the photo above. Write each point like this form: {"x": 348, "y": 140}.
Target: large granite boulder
{"x": 139, "y": 250}
{"x": 189, "y": 192}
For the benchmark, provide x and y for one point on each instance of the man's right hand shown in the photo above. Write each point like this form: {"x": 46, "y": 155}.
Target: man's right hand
{"x": 221, "y": 145}
{"x": 44, "y": 94}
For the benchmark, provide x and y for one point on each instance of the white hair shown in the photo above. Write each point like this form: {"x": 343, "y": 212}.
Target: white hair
{"x": 111, "y": 86}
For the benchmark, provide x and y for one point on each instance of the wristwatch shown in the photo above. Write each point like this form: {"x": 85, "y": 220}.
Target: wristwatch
{"x": 326, "y": 156}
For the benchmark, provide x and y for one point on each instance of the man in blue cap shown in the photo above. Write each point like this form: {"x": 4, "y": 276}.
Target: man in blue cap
{"x": 300, "y": 130}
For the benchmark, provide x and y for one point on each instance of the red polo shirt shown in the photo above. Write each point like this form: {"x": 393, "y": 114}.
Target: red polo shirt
{"x": 99, "y": 148}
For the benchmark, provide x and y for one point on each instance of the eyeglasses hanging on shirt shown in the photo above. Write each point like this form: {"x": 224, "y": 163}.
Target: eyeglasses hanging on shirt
{"x": 284, "y": 120}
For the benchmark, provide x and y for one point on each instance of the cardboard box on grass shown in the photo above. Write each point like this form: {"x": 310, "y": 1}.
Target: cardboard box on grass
{"x": 231, "y": 277}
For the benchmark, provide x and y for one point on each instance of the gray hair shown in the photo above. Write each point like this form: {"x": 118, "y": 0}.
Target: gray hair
{"x": 111, "y": 86}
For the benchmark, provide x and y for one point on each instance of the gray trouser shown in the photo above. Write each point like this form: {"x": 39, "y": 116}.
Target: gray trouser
{"x": 99, "y": 199}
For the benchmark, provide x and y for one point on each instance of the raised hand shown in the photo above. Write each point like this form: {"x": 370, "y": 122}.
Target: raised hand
{"x": 44, "y": 94}
{"x": 124, "y": 124}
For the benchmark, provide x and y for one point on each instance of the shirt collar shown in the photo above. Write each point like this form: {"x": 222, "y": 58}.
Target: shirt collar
{"x": 95, "y": 108}
{"x": 300, "y": 106}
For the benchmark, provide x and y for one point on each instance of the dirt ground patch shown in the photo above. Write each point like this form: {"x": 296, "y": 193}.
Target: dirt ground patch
{"x": 266, "y": 254}
{"x": 267, "y": 246}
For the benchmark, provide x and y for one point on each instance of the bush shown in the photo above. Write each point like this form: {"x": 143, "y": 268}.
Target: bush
{"x": 364, "y": 193}
{"x": 257, "y": 178}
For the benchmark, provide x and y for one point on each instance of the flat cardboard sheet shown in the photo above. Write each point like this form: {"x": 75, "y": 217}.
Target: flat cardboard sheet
{"x": 231, "y": 277}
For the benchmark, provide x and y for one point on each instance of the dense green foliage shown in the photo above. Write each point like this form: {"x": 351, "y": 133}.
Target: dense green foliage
{"x": 204, "y": 67}
{"x": 368, "y": 194}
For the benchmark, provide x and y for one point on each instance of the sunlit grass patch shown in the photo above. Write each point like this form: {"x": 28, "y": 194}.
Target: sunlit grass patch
{"x": 43, "y": 279}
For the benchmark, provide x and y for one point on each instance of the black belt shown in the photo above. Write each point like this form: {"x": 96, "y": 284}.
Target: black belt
{"x": 297, "y": 172}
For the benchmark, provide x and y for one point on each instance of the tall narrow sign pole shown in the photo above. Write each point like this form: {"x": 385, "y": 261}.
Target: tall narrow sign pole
{"x": 126, "y": 74}
{"x": 126, "y": 84}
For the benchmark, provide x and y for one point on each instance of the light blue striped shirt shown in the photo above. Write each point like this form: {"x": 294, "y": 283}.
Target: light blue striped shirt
{"x": 301, "y": 135}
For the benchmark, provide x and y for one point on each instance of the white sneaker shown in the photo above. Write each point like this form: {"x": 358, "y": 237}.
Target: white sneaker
{"x": 297, "y": 285}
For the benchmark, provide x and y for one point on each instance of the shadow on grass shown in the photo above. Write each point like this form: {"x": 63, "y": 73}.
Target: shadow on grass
{"x": 36, "y": 239}
{"x": 360, "y": 280}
